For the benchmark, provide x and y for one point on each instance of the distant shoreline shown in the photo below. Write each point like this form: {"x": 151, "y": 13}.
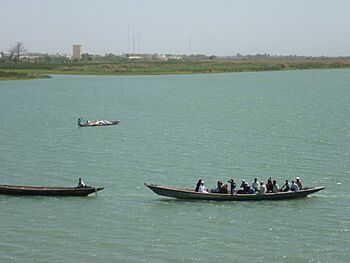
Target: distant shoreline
{"x": 27, "y": 70}
{"x": 18, "y": 75}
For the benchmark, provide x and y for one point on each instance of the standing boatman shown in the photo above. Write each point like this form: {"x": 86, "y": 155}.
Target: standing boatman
{"x": 233, "y": 185}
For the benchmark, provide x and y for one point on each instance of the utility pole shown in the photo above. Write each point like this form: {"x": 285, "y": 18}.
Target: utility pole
{"x": 139, "y": 42}
{"x": 128, "y": 39}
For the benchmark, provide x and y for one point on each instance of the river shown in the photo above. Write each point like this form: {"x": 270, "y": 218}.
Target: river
{"x": 174, "y": 130}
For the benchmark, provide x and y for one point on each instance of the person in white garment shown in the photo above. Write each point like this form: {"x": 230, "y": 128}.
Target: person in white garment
{"x": 275, "y": 188}
{"x": 294, "y": 187}
{"x": 255, "y": 185}
{"x": 262, "y": 189}
{"x": 202, "y": 188}
{"x": 298, "y": 182}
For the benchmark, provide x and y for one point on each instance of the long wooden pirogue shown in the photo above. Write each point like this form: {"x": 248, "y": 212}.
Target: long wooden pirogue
{"x": 191, "y": 194}
{"x": 47, "y": 191}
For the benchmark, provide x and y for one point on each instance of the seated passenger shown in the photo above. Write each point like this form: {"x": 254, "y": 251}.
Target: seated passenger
{"x": 298, "y": 182}
{"x": 269, "y": 186}
{"x": 242, "y": 188}
{"x": 275, "y": 187}
{"x": 223, "y": 189}
{"x": 286, "y": 187}
{"x": 81, "y": 183}
{"x": 246, "y": 190}
{"x": 262, "y": 189}
{"x": 249, "y": 190}
{"x": 219, "y": 185}
{"x": 202, "y": 188}
{"x": 255, "y": 184}
{"x": 294, "y": 187}
{"x": 198, "y": 185}
{"x": 242, "y": 184}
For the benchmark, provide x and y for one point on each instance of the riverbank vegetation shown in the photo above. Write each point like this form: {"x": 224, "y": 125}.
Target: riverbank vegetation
{"x": 18, "y": 75}
{"x": 186, "y": 65}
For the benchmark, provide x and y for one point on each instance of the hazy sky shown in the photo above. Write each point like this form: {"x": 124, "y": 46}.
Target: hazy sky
{"x": 218, "y": 27}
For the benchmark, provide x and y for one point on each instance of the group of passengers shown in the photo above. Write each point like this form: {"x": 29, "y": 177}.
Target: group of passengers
{"x": 255, "y": 187}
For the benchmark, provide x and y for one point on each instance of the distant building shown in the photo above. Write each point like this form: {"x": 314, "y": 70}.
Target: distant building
{"x": 76, "y": 51}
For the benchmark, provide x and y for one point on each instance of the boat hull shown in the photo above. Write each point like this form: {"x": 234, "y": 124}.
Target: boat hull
{"x": 98, "y": 124}
{"x": 190, "y": 194}
{"x": 47, "y": 191}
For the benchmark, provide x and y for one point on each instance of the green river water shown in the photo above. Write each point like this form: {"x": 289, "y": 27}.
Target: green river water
{"x": 174, "y": 130}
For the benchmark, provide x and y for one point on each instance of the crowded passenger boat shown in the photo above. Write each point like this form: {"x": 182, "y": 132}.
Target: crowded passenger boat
{"x": 230, "y": 191}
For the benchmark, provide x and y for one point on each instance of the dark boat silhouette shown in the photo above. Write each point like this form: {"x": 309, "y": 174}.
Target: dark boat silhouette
{"x": 180, "y": 193}
{"x": 48, "y": 191}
